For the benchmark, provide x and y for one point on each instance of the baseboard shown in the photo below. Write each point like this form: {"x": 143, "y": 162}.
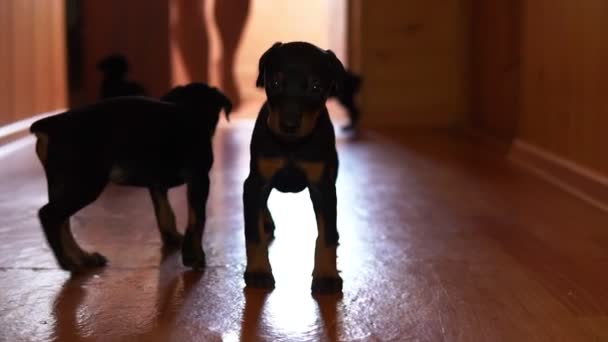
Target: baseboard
{"x": 17, "y": 130}
{"x": 16, "y": 135}
{"x": 492, "y": 143}
{"x": 581, "y": 182}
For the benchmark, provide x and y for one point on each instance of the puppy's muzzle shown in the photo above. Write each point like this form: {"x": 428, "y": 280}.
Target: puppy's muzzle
{"x": 289, "y": 126}
{"x": 290, "y": 120}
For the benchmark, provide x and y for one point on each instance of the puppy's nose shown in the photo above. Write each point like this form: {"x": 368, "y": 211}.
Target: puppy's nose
{"x": 289, "y": 127}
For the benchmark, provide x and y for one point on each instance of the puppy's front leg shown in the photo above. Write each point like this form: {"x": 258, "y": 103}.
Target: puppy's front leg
{"x": 325, "y": 273}
{"x": 258, "y": 272}
{"x": 192, "y": 250}
{"x": 165, "y": 218}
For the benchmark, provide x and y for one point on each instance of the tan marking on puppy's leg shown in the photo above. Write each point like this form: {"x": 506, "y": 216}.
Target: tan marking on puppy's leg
{"x": 75, "y": 253}
{"x": 195, "y": 230}
{"x": 257, "y": 253}
{"x": 165, "y": 218}
{"x": 192, "y": 248}
{"x": 268, "y": 167}
{"x": 325, "y": 256}
{"x": 312, "y": 170}
{"x": 42, "y": 147}
{"x": 71, "y": 249}
{"x": 197, "y": 234}
{"x": 268, "y": 222}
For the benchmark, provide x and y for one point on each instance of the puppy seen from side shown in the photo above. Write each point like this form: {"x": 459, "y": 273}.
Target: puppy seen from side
{"x": 131, "y": 141}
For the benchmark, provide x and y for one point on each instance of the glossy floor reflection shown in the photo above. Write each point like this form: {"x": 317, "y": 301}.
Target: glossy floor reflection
{"x": 440, "y": 241}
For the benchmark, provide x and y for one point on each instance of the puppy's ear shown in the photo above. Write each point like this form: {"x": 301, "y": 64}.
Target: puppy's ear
{"x": 263, "y": 62}
{"x": 337, "y": 71}
{"x": 116, "y": 64}
{"x": 226, "y": 104}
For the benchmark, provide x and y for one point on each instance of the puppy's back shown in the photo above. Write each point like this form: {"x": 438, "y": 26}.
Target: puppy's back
{"x": 120, "y": 111}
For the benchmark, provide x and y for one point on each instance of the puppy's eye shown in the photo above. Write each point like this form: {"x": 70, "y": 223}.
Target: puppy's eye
{"x": 275, "y": 84}
{"x": 316, "y": 86}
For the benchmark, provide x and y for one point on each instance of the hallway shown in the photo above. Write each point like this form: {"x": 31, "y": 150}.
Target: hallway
{"x": 440, "y": 241}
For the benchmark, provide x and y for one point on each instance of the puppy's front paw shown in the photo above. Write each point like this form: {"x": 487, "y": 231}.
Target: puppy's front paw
{"x": 84, "y": 263}
{"x": 326, "y": 285}
{"x": 93, "y": 260}
{"x": 193, "y": 259}
{"x": 261, "y": 280}
{"x": 192, "y": 252}
{"x": 69, "y": 265}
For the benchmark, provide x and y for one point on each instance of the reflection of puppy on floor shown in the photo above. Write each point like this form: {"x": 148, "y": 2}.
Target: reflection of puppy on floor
{"x": 293, "y": 147}
{"x": 135, "y": 141}
{"x": 115, "y": 83}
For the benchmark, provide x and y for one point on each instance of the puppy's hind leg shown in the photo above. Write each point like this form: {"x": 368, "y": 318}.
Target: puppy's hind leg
{"x": 64, "y": 201}
{"x": 165, "y": 218}
{"x": 42, "y": 147}
{"x": 75, "y": 252}
{"x": 192, "y": 249}
{"x": 55, "y": 227}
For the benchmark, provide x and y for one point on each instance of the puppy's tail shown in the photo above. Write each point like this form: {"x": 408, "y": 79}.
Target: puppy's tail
{"x": 40, "y": 126}
{"x": 40, "y": 129}
{"x": 49, "y": 124}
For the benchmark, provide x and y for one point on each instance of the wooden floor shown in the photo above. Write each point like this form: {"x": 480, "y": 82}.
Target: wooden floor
{"x": 440, "y": 241}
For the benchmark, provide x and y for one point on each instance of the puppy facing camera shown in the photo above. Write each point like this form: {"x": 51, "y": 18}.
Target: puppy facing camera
{"x": 293, "y": 147}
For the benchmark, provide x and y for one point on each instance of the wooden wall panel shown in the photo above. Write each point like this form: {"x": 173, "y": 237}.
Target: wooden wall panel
{"x": 496, "y": 67}
{"x": 6, "y": 62}
{"x": 32, "y": 58}
{"x": 565, "y": 68}
{"x": 336, "y": 28}
{"x": 354, "y": 23}
{"x": 414, "y": 57}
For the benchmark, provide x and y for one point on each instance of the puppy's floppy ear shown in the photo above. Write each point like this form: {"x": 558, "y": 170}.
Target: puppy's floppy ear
{"x": 226, "y": 104}
{"x": 262, "y": 64}
{"x": 337, "y": 71}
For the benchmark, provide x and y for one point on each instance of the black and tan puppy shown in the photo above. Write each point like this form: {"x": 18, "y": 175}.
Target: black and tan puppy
{"x": 293, "y": 147}
{"x": 135, "y": 141}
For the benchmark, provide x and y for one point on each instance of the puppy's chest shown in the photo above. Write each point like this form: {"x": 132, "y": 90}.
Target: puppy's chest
{"x": 289, "y": 174}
